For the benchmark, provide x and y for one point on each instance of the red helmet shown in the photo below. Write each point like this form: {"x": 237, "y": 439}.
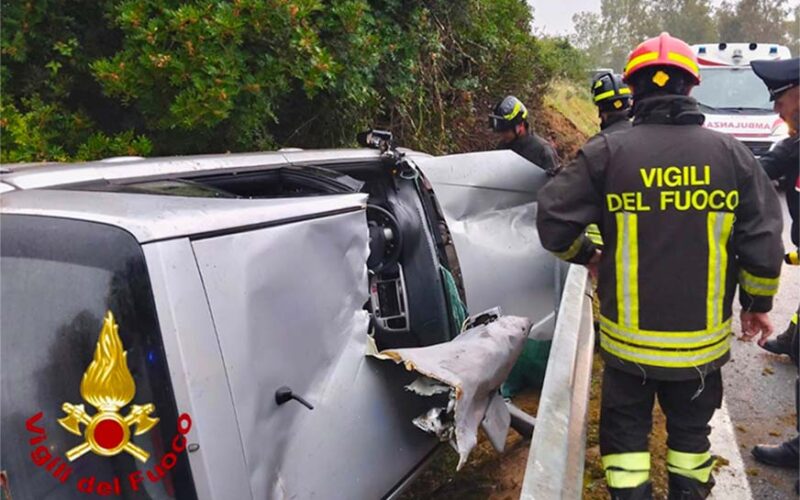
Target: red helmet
{"x": 664, "y": 50}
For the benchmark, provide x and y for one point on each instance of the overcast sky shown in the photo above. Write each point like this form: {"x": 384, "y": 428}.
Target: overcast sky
{"x": 555, "y": 18}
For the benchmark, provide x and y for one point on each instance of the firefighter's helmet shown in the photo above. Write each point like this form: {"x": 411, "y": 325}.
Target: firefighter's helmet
{"x": 507, "y": 114}
{"x": 663, "y": 57}
{"x": 610, "y": 93}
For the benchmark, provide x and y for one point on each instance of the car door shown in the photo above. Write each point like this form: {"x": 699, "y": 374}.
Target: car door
{"x": 489, "y": 202}
{"x": 287, "y": 303}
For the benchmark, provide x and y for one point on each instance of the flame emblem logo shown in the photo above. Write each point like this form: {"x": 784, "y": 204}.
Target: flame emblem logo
{"x": 108, "y": 386}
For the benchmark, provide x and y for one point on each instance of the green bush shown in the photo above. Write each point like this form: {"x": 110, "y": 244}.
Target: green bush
{"x": 86, "y": 80}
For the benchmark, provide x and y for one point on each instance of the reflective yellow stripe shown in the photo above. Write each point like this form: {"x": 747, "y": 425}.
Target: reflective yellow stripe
{"x": 625, "y": 479}
{"x": 656, "y": 333}
{"x": 593, "y": 233}
{"x": 626, "y": 261}
{"x": 610, "y": 93}
{"x": 697, "y": 466}
{"x": 794, "y": 319}
{"x": 686, "y": 460}
{"x": 638, "y": 460}
{"x": 793, "y": 258}
{"x": 755, "y": 285}
{"x": 636, "y": 61}
{"x": 719, "y": 225}
{"x": 514, "y": 112}
{"x": 670, "y": 340}
{"x": 684, "y": 60}
{"x": 572, "y": 251}
{"x": 665, "y": 359}
{"x": 627, "y": 470}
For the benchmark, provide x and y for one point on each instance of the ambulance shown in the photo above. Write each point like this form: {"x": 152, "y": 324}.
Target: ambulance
{"x": 734, "y": 100}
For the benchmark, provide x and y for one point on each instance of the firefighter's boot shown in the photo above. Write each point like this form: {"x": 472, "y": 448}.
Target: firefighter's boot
{"x": 642, "y": 492}
{"x": 686, "y": 488}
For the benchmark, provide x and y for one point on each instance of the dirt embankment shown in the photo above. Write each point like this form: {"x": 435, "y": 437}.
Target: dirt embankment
{"x": 567, "y": 119}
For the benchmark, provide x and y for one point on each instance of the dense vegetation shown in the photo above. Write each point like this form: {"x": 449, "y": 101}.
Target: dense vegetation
{"x": 84, "y": 80}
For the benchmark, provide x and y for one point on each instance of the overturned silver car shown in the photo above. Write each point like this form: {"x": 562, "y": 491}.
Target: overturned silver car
{"x": 198, "y": 326}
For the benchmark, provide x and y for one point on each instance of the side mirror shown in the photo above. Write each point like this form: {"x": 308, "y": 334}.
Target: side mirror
{"x": 378, "y": 139}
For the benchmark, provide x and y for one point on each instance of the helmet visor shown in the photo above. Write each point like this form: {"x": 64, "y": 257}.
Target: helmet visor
{"x": 499, "y": 123}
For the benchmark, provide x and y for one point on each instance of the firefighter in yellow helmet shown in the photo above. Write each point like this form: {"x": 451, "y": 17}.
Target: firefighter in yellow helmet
{"x": 509, "y": 120}
{"x": 613, "y": 100}
{"x": 686, "y": 215}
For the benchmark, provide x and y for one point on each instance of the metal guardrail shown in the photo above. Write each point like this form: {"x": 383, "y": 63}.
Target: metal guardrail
{"x": 556, "y": 460}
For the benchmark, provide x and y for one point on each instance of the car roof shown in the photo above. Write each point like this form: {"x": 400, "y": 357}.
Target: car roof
{"x": 48, "y": 175}
{"x": 44, "y": 189}
{"x": 152, "y": 218}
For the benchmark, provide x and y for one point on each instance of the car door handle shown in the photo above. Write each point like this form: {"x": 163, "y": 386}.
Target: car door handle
{"x": 285, "y": 394}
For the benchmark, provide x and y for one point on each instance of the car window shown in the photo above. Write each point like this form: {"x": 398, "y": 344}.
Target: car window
{"x": 60, "y": 280}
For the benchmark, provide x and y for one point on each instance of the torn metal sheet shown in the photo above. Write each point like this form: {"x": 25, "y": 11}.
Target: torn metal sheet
{"x": 473, "y": 365}
{"x": 496, "y": 422}
{"x": 489, "y": 200}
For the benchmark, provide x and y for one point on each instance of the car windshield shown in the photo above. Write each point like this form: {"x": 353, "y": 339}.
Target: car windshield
{"x": 732, "y": 90}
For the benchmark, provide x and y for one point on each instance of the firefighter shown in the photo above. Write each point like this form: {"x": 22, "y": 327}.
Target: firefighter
{"x": 509, "y": 119}
{"x": 782, "y": 79}
{"x": 686, "y": 214}
{"x": 613, "y": 100}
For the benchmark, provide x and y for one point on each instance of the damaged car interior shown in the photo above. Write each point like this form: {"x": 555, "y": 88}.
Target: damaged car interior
{"x": 302, "y": 291}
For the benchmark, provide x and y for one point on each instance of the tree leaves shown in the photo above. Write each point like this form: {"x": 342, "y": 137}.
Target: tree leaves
{"x": 182, "y": 77}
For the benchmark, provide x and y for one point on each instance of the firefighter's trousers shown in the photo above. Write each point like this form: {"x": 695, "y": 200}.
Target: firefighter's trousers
{"x": 626, "y": 421}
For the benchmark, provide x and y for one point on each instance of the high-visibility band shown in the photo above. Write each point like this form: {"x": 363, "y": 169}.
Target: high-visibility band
{"x": 755, "y": 285}
{"x": 626, "y": 263}
{"x": 573, "y": 249}
{"x": 517, "y": 106}
{"x": 794, "y": 319}
{"x": 636, "y": 61}
{"x": 686, "y": 460}
{"x": 684, "y": 60}
{"x": 697, "y": 466}
{"x": 719, "y": 225}
{"x": 661, "y": 358}
{"x": 792, "y": 258}
{"x": 638, "y": 460}
{"x": 627, "y": 470}
{"x": 611, "y": 93}
{"x": 626, "y": 479}
{"x": 665, "y": 339}
{"x": 593, "y": 233}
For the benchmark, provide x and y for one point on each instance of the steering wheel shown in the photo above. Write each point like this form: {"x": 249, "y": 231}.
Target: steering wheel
{"x": 385, "y": 239}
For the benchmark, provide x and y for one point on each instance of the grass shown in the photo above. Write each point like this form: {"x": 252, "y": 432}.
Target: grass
{"x": 575, "y": 103}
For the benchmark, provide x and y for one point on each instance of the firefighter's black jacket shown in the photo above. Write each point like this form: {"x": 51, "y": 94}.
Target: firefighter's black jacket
{"x": 686, "y": 213}
{"x": 534, "y": 149}
{"x": 784, "y": 162}
{"x": 615, "y": 123}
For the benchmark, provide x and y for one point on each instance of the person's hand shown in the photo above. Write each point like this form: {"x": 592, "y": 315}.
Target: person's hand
{"x": 754, "y": 323}
{"x": 593, "y": 264}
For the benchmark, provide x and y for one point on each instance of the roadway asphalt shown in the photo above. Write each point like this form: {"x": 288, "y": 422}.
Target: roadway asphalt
{"x": 759, "y": 399}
